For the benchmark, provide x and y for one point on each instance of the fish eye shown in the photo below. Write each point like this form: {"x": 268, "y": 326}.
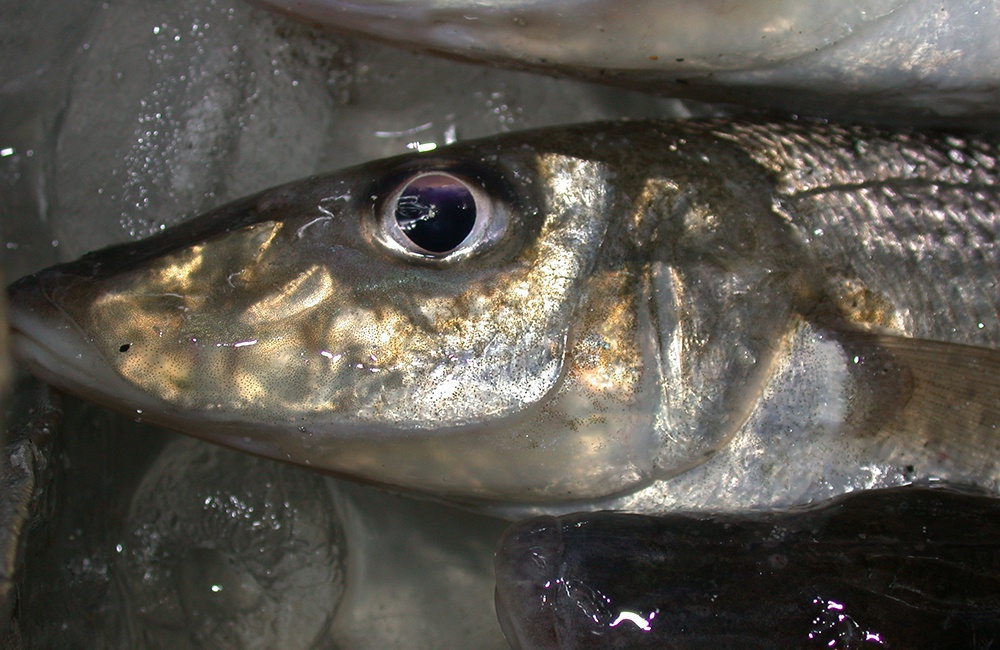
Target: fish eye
{"x": 436, "y": 212}
{"x": 437, "y": 215}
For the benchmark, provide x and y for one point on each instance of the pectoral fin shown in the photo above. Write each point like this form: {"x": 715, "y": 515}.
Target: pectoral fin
{"x": 919, "y": 395}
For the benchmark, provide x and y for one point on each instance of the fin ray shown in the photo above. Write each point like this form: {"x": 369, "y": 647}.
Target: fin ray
{"x": 943, "y": 397}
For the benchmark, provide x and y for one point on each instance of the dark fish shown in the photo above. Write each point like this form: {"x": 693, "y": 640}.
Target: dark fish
{"x": 897, "y": 568}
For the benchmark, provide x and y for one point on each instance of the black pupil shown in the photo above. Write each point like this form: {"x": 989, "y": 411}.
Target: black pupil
{"x": 437, "y": 212}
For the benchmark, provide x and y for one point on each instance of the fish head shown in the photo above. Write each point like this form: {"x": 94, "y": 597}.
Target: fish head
{"x": 405, "y": 322}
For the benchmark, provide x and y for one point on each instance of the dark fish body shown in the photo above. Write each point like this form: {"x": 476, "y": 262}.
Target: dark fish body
{"x": 899, "y": 568}
{"x": 703, "y": 314}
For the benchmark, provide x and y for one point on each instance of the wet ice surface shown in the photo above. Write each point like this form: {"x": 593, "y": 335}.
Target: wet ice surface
{"x": 147, "y": 113}
{"x": 160, "y": 541}
{"x": 223, "y": 549}
{"x": 120, "y": 119}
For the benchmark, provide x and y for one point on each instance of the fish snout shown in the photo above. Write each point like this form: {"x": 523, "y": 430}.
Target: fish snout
{"x": 43, "y": 336}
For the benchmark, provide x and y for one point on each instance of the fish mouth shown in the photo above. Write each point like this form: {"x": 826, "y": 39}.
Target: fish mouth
{"x": 51, "y": 345}
{"x": 41, "y": 336}
{"x": 54, "y": 348}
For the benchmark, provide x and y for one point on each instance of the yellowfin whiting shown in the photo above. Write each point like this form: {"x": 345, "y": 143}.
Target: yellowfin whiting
{"x": 556, "y": 317}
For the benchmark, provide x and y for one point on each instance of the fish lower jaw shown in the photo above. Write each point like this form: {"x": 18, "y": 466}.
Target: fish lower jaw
{"x": 49, "y": 365}
{"x": 61, "y": 357}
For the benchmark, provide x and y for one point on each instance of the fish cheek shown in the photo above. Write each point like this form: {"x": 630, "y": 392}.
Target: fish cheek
{"x": 140, "y": 336}
{"x": 597, "y": 426}
{"x": 590, "y": 434}
{"x": 159, "y": 325}
{"x": 149, "y": 356}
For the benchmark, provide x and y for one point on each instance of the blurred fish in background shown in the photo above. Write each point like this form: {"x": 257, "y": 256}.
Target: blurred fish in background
{"x": 900, "y": 61}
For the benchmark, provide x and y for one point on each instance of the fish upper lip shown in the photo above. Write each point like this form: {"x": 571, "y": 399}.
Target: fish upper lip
{"x": 54, "y": 348}
{"x": 32, "y": 348}
{"x": 46, "y": 340}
